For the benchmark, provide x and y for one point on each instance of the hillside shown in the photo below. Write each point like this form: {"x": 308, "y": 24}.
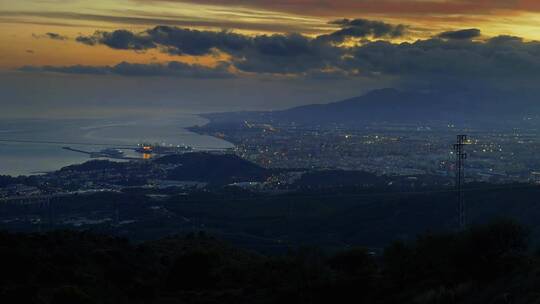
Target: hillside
{"x": 486, "y": 264}
{"x": 212, "y": 168}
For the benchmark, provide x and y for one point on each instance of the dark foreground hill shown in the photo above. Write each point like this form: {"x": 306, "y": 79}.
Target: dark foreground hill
{"x": 213, "y": 168}
{"x": 486, "y": 264}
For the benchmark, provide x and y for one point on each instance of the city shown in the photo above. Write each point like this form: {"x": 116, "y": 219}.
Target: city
{"x": 406, "y": 150}
{"x": 265, "y": 152}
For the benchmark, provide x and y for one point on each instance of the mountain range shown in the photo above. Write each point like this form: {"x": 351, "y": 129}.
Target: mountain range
{"x": 393, "y": 106}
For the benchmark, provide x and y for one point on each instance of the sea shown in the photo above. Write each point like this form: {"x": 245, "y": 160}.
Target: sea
{"x": 36, "y": 146}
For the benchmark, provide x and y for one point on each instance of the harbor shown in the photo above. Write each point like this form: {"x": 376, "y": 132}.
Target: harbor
{"x": 105, "y": 153}
{"x": 40, "y": 147}
{"x": 142, "y": 151}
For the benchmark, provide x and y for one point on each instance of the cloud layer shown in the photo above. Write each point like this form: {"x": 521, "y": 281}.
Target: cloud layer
{"x": 50, "y": 35}
{"x": 362, "y": 28}
{"x": 171, "y": 69}
{"x": 465, "y": 34}
{"x": 502, "y": 57}
{"x": 461, "y": 55}
{"x": 388, "y": 7}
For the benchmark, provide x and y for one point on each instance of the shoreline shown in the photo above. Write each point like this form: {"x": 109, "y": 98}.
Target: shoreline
{"x": 36, "y": 152}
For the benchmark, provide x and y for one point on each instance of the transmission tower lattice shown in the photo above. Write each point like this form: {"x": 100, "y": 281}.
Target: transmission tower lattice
{"x": 460, "y": 178}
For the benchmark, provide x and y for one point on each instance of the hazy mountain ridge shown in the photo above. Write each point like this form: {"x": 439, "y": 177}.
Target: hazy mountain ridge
{"x": 402, "y": 106}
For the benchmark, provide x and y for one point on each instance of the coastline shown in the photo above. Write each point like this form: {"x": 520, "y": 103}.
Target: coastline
{"x": 27, "y": 159}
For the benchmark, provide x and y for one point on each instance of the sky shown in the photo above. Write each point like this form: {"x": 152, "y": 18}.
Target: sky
{"x": 108, "y": 57}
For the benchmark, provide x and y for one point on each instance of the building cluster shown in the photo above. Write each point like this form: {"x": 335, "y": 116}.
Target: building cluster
{"x": 496, "y": 157}
{"x": 492, "y": 157}
{"x": 18, "y": 190}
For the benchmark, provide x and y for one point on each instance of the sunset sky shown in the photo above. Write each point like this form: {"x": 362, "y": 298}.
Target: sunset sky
{"x": 257, "y": 53}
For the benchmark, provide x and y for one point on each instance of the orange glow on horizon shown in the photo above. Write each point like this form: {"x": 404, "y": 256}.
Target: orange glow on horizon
{"x": 25, "y": 22}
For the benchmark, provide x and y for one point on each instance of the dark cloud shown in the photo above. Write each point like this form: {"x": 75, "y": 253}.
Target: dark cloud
{"x": 362, "y": 28}
{"x": 120, "y": 39}
{"x": 88, "y": 40}
{"x": 175, "y": 69}
{"x": 500, "y": 59}
{"x": 74, "y": 69}
{"x": 286, "y": 54}
{"x": 55, "y": 36}
{"x": 180, "y": 41}
{"x": 50, "y": 35}
{"x": 194, "y": 42}
{"x": 506, "y": 40}
{"x": 278, "y": 53}
{"x": 450, "y": 55}
{"x": 465, "y": 34}
{"x": 173, "y": 40}
{"x": 171, "y": 69}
